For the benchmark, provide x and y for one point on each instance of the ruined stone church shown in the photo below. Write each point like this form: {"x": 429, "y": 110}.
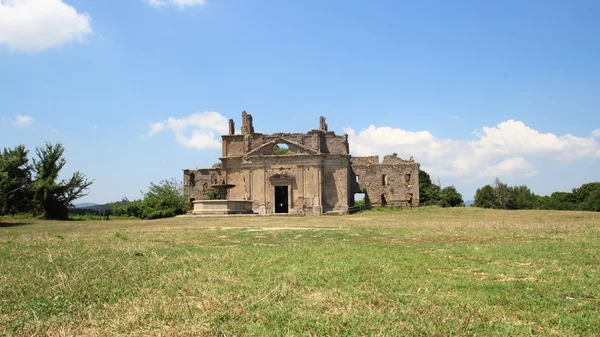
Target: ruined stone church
{"x": 297, "y": 173}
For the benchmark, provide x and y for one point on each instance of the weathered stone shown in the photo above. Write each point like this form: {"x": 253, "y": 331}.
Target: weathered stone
{"x": 231, "y": 127}
{"x": 315, "y": 176}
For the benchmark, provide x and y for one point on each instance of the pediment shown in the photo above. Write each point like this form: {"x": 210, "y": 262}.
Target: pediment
{"x": 294, "y": 149}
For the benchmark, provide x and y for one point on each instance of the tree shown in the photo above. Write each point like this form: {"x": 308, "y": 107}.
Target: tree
{"x": 429, "y": 193}
{"x": 520, "y": 197}
{"x": 581, "y": 194}
{"x": 15, "y": 180}
{"x": 278, "y": 151}
{"x": 52, "y": 199}
{"x": 450, "y": 197}
{"x": 591, "y": 202}
{"x": 484, "y": 197}
{"x": 165, "y": 199}
{"x": 501, "y": 195}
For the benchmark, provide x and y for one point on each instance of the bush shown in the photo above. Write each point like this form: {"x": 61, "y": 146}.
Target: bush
{"x": 163, "y": 200}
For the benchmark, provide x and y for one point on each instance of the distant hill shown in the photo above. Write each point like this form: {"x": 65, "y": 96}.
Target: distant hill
{"x": 85, "y": 204}
{"x": 469, "y": 202}
{"x": 92, "y": 208}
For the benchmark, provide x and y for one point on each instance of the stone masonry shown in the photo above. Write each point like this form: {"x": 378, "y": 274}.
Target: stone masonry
{"x": 316, "y": 175}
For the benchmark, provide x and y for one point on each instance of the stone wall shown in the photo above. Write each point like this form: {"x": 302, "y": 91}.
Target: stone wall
{"x": 197, "y": 183}
{"x": 335, "y": 184}
{"x": 394, "y": 182}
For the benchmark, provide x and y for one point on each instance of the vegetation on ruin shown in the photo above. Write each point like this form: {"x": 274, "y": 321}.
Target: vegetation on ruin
{"x": 502, "y": 196}
{"x": 421, "y": 271}
{"x": 34, "y": 188}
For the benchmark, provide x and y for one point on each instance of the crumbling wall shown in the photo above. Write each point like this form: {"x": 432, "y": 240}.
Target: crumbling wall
{"x": 197, "y": 183}
{"x": 335, "y": 184}
{"x": 320, "y": 140}
{"x": 394, "y": 182}
{"x": 233, "y": 145}
{"x": 247, "y": 126}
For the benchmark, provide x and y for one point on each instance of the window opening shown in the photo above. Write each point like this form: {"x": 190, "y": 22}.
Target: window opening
{"x": 280, "y": 149}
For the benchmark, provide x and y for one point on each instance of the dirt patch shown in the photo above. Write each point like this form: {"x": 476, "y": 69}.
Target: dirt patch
{"x": 508, "y": 278}
{"x": 293, "y": 229}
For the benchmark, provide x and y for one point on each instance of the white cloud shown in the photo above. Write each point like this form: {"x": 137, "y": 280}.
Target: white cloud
{"x": 207, "y": 127}
{"x": 23, "y": 121}
{"x": 36, "y": 25}
{"x": 502, "y": 150}
{"x": 156, "y": 128}
{"x": 177, "y": 3}
{"x": 454, "y": 117}
{"x": 510, "y": 166}
{"x": 596, "y": 133}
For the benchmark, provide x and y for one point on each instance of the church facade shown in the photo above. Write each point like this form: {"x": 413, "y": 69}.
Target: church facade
{"x": 301, "y": 173}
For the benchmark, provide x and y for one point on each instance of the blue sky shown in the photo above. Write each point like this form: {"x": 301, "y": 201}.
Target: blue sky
{"x": 137, "y": 90}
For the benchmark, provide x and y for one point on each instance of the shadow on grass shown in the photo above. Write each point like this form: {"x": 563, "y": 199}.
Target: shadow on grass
{"x": 4, "y": 224}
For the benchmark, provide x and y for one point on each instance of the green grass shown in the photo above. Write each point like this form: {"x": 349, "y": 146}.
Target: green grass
{"x": 425, "y": 271}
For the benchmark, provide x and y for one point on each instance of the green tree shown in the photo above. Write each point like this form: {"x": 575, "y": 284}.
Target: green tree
{"x": 15, "y": 180}
{"x": 450, "y": 197}
{"x": 581, "y": 194}
{"x": 51, "y": 198}
{"x": 165, "y": 199}
{"x": 591, "y": 202}
{"x": 429, "y": 193}
{"x": 521, "y": 198}
{"x": 484, "y": 197}
{"x": 278, "y": 151}
{"x": 501, "y": 195}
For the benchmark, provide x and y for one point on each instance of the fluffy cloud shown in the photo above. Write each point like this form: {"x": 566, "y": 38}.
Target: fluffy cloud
{"x": 35, "y": 25}
{"x": 204, "y": 125}
{"x": 596, "y": 133}
{"x": 510, "y": 166}
{"x": 23, "y": 121}
{"x": 499, "y": 150}
{"x": 177, "y": 3}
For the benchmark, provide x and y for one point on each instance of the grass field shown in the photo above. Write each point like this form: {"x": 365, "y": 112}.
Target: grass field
{"x": 427, "y": 271}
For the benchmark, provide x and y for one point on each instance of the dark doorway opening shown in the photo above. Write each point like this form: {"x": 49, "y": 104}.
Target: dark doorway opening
{"x": 281, "y": 199}
{"x": 383, "y": 201}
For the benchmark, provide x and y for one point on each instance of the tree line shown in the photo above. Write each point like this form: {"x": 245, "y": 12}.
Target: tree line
{"x": 501, "y": 196}
{"x": 34, "y": 187}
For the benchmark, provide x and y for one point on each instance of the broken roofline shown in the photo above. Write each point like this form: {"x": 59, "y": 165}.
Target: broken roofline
{"x": 248, "y": 127}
